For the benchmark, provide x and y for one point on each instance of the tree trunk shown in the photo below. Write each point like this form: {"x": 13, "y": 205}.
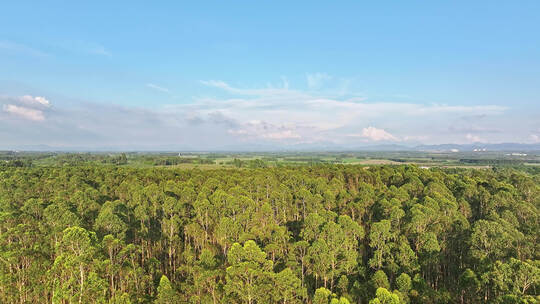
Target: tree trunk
{"x": 81, "y": 269}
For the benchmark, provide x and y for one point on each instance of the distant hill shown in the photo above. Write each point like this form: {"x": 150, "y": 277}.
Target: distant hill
{"x": 312, "y": 147}
{"x": 480, "y": 146}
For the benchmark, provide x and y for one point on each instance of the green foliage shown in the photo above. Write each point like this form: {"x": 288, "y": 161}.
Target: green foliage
{"x": 404, "y": 283}
{"x": 249, "y": 278}
{"x": 288, "y": 287}
{"x": 341, "y": 300}
{"x": 322, "y": 296}
{"x": 380, "y": 280}
{"x": 93, "y": 232}
{"x": 165, "y": 292}
{"x": 120, "y": 299}
{"x": 383, "y": 296}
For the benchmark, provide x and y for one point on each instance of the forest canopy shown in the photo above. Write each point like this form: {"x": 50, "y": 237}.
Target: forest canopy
{"x": 308, "y": 234}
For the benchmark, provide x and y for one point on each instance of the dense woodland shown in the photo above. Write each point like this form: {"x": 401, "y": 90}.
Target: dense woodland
{"x": 315, "y": 234}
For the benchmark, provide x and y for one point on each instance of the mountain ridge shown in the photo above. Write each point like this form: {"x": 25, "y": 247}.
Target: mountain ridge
{"x": 481, "y": 147}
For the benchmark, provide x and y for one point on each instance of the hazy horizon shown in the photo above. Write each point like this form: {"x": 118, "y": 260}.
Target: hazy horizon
{"x": 272, "y": 76}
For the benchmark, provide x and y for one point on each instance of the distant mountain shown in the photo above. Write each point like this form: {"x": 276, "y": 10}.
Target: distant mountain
{"x": 388, "y": 147}
{"x": 304, "y": 147}
{"x": 480, "y": 146}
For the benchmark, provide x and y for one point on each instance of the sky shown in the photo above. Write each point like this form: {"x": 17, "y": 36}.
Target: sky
{"x": 242, "y": 75}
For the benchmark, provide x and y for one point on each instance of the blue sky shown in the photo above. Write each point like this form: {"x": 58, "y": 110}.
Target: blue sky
{"x": 218, "y": 75}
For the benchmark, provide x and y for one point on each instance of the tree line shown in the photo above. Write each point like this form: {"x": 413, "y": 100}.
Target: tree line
{"x": 321, "y": 234}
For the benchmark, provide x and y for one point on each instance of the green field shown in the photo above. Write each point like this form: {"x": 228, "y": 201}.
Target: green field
{"x": 189, "y": 160}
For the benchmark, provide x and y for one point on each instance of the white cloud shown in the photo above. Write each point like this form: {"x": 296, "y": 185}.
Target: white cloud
{"x": 415, "y": 138}
{"x": 375, "y": 134}
{"x": 20, "y": 48}
{"x": 285, "y": 82}
{"x": 217, "y": 83}
{"x": 329, "y": 118}
{"x": 316, "y": 80}
{"x": 271, "y": 116}
{"x": 158, "y": 88}
{"x": 26, "y": 107}
{"x": 473, "y": 138}
{"x": 24, "y": 112}
{"x": 535, "y": 138}
{"x": 270, "y": 90}
{"x": 84, "y": 47}
{"x": 263, "y": 130}
{"x": 32, "y": 101}
{"x": 287, "y": 134}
